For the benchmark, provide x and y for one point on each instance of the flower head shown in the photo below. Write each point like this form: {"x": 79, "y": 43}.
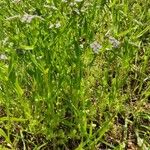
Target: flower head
{"x": 115, "y": 43}
{"x": 96, "y": 47}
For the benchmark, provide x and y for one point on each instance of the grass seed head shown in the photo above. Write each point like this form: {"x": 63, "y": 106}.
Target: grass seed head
{"x": 27, "y": 18}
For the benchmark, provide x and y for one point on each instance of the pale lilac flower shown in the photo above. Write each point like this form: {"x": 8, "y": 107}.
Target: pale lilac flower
{"x": 115, "y": 43}
{"x": 96, "y": 47}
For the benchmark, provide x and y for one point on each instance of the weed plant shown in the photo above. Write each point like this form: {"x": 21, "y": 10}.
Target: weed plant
{"x": 74, "y": 74}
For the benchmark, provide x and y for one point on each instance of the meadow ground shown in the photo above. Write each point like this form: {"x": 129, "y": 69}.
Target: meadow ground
{"x": 74, "y": 74}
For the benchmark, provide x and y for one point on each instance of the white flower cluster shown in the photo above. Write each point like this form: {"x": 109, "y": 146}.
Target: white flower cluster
{"x": 114, "y": 42}
{"x": 56, "y": 25}
{"x": 3, "y": 57}
{"x": 28, "y": 18}
{"x": 96, "y": 47}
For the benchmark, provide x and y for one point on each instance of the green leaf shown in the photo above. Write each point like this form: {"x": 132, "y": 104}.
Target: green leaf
{"x": 26, "y": 47}
{"x": 18, "y": 88}
{"x": 12, "y": 119}
{"x": 125, "y": 32}
{"x": 142, "y": 32}
{"x": 101, "y": 131}
{"x": 39, "y": 66}
{"x": 2, "y": 133}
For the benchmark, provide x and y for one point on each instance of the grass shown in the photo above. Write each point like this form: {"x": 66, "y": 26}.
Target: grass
{"x": 74, "y": 75}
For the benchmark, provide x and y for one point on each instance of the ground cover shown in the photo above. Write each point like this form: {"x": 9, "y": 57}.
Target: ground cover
{"x": 74, "y": 74}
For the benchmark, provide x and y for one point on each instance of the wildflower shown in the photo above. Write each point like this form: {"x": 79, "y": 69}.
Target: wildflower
{"x": 96, "y": 47}
{"x": 93, "y": 125}
{"x": 28, "y": 18}
{"x": 3, "y": 57}
{"x": 81, "y": 46}
{"x": 57, "y": 25}
{"x": 114, "y": 42}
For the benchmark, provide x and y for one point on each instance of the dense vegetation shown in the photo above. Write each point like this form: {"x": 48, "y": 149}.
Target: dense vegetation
{"x": 74, "y": 74}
